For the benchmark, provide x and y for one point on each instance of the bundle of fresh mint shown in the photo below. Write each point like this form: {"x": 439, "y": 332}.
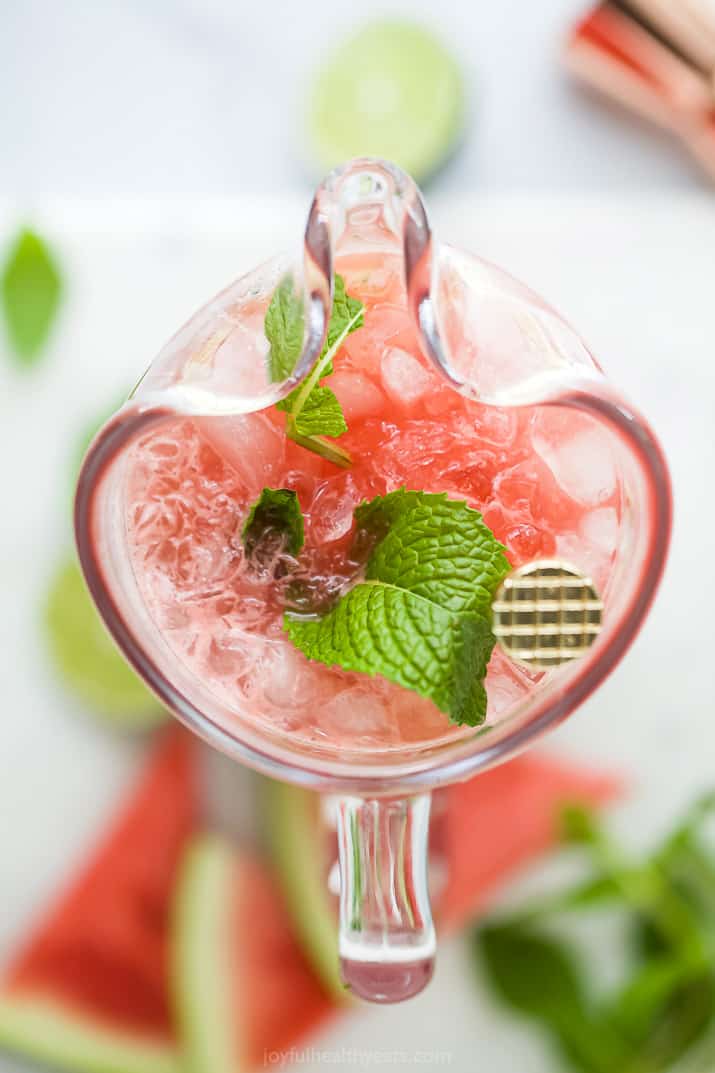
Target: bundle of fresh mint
{"x": 666, "y": 1003}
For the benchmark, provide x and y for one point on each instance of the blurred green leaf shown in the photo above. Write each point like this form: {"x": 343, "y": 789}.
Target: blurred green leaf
{"x": 540, "y": 977}
{"x": 649, "y": 993}
{"x": 680, "y": 1023}
{"x": 579, "y": 826}
{"x": 691, "y": 827}
{"x": 31, "y": 289}
{"x": 533, "y": 974}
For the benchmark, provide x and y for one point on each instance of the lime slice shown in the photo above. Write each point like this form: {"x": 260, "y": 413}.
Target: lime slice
{"x": 392, "y": 90}
{"x": 89, "y": 661}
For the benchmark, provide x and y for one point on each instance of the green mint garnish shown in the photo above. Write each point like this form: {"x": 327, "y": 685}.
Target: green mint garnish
{"x": 665, "y": 1002}
{"x": 421, "y": 616}
{"x": 321, "y": 414}
{"x": 540, "y": 977}
{"x": 275, "y": 520}
{"x": 312, "y": 410}
{"x": 284, "y": 330}
{"x": 30, "y": 287}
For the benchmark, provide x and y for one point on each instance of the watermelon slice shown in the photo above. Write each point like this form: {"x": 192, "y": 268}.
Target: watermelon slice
{"x": 89, "y": 992}
{"x": 483, "y": 831}
{"x": 242, "y": 987}
{"x": 489, "y": 828}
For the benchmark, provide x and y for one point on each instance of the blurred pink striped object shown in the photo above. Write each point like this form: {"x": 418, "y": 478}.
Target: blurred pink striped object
{"x": 656, "y": 57}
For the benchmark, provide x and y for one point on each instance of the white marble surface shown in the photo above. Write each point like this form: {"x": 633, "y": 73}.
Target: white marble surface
{"x": 634, "y": 273}
{"x": 205, "y": 97}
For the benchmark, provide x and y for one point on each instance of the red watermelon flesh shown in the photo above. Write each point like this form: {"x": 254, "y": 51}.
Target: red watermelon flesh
{"x": 101, "y": 954}
{"x": 488, "y": 828}
{"x": 282, "y": 1000}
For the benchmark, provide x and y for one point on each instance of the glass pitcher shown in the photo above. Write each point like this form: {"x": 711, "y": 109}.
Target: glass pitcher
{"x": 493, "y": 352}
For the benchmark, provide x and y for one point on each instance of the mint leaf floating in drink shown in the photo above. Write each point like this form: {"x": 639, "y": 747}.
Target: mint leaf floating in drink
{"x": 321, "y": 414}
{"x": 274, "y": 521}
{"x": 31, "y": 288}
{"x": 312, "y": 410}
{"x": 421, "y": 616}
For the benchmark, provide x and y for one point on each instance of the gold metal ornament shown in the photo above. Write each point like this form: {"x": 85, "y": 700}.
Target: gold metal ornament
{"x": 546, "y": 613}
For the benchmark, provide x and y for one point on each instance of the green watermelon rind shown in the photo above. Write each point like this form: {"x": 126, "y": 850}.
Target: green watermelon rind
{"x": 44, "y": 1030}
{"x": 297, "y": 848}
{"x": 202, "y": 975}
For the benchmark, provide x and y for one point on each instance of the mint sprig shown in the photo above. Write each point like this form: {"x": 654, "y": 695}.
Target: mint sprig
{"x": 314, "y": 416}
{"x": 30, "y": 289}
{"x": 283, "y": 326}
{"x": 275, "y": 521}
{"x": 421, "y": 615}
{"x": 666, "y": 1003}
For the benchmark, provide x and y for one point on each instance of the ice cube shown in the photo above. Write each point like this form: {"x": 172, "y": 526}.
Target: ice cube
{"x": 581, "y": 460}
{"x": 358, "y": 396}
{"x": 288, "y": 678}
{"x": 331, "y": 512}
{"x": 221, "y": 659}
{"x": 600, "y": 528}
{"x": 355, "y": 712}
{"x": 595, "y": 562}
{"x": 496, "y": 426}
{"x": 505, "y": 685}
{"x": 404, "y": 378}
{"x": 252, "y": 444}
{"x": 390, "y": 326}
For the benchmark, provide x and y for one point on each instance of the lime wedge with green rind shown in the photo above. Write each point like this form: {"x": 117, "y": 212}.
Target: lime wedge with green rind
{"x": 391, "y": 90}
{"x": 88, "y": 660}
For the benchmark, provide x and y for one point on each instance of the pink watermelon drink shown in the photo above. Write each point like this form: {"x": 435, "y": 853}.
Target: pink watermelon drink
{"x": 542, "y": 478}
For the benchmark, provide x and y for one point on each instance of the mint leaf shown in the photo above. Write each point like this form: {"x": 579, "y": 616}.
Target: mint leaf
{"x": 436, "y": 547}
{"x": 274, "y": 520}
{"x": 31, "y": 289}
{"x": 313, "y": 411}
{"x": 283, "y": 327}
{"x": 541, "y": 978}
{"x": 579, "y": 826}
{"x": 347, "y": 315}
{"x": 649, "y": 1002}
{"x": 421, "y": 617}
{"x": 321, "y": 414}
{"x": 533, "y": 974}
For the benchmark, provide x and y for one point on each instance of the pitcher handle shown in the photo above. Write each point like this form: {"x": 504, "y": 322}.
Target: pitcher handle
{"x": 386, "y": 937}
